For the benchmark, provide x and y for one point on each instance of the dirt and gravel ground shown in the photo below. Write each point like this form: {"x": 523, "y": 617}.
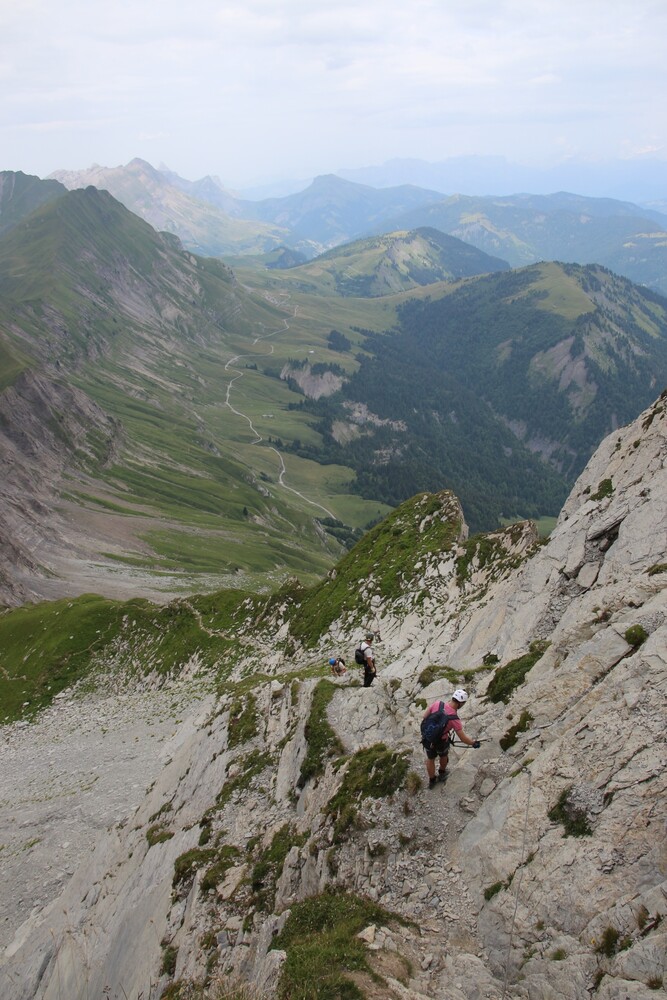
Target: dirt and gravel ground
{"x": 84, "y": 765}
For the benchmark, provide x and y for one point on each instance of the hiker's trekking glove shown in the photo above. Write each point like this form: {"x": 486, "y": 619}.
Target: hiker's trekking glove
{"x": 476, "y": 745}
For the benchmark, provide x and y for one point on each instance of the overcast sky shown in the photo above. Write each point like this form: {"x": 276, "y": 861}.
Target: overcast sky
{"x": 265, "y": 89}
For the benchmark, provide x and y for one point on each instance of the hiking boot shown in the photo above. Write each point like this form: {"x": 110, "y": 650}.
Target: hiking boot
{"x": 432, "y": 782}
{"x": 442, "y": 775}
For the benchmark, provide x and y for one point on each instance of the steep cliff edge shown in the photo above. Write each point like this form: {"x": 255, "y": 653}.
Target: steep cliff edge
{"x": 289, "y": 841}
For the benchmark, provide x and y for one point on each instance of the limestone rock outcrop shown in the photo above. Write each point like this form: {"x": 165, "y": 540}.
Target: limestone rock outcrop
{"x": 536, "y": 871}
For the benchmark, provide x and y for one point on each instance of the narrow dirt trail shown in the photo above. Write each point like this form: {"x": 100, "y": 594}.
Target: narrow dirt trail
{"x": 229, "y": 367}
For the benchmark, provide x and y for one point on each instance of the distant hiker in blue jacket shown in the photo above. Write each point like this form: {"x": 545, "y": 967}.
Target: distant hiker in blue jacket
{"x": 437, "y": 744}
{"x": 337, "y": 664}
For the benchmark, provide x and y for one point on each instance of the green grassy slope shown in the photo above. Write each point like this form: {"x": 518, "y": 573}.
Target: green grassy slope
{"x": 51, "y": 646}
{"x": 21, "y": 194}
{"x": 161, "y": 340}
{"x": 389, "y": 264}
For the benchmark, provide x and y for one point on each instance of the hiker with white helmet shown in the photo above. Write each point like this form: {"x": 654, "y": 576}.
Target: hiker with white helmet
{"x": 439, "y": 724}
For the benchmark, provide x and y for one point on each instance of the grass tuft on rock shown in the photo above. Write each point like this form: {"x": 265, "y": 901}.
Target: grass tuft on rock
{"x": 373, "y": 772}
{"x": 322, "y": 948}
{"x": 512, "y": 734}
{"x": 572, "y": 817}
{"x": 242, "y": 720}
{"x": 636, "y": 635}
{"x": 512, "y": 674}
{"x": 225, "y": 858}
{"x": 323, "y": 742}
{"x": 269, "y": 867}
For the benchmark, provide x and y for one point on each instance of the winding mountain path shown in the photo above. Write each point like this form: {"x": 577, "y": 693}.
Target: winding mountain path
{"x": 229, "y": 367}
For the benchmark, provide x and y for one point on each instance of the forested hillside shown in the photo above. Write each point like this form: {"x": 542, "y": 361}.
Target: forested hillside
{"x": 524, "y": 228}
{"x": 500, "y": 390}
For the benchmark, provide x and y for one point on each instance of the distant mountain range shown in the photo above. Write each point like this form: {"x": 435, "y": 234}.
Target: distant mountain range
{"x": 519, "y": 228}
{"x": 642, "y": 180}
{"x": 166, "y": 418}
{"x": 206, "y": 218}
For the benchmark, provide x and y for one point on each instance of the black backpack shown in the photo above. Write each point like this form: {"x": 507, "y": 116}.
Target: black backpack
{"x": 433, "y": 726}
{"x": 359, "y": 656}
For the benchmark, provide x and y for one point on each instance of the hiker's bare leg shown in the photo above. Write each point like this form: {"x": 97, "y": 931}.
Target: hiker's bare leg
{"x": 430, "y": 768}
{"x": 444, "y": 761}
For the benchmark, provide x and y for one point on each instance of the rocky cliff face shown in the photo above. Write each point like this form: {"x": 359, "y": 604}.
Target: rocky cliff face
{"x": 43, "y": 424}
{"x": 536, "y": 871}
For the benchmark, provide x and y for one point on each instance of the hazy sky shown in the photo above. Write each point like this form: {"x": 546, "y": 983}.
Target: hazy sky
{"x": 264, "y": 89}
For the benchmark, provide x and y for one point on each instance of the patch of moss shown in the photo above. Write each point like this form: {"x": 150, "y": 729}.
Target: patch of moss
{"x": 206, "y": 830}
{"x": 493, "y": 890}
{"x": 512, "y": 734}
{"x": 164, "y": 808}
{"x": 157, "y": 834}
{"x": 186, "y": 865}
{"x": 657, "y": 568}
{"x": 512, "y": 674}
{"x": 373, "y": 772}
{"x": 636, "y": 635}
{"x": 169, "y": 957}
{"x": 558, "y": 955}
{"x": 574, "y": 820}
{"x": 225, "y": 858}
{"x": 605, "y": 489}
{"x": 252, "y": 765}
{"x": 268, "y": 868}
{"x": 434, "y": 673}
{"x": 322, "y": 948}
{"x": 608, "y": 942}
{"x": 242, "y": 720}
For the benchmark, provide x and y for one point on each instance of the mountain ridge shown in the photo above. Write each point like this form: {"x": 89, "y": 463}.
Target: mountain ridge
{"x": 205, "y": 227}
{"x": 332, "y": 210}
{"x": 210, "y": 376}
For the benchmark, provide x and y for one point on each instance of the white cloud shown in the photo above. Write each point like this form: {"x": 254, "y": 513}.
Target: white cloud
{"x": 249, "y": 87}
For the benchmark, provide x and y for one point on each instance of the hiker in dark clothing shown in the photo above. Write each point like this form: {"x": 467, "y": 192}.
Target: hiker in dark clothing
{"x": 439, "y": 746}
{"x": 370, "y": 670}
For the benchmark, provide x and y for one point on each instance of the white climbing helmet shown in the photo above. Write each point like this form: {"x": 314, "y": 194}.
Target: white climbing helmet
{"x": 460, "y": 695}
